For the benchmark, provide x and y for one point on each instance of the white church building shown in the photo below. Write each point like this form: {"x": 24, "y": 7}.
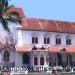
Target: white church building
{"x": 38, "y": 42}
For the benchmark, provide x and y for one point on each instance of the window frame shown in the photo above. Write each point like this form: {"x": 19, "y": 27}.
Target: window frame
{"x": 58, "y": 40}
{"x": 34, "y": 40}
{"x": 46, "y": 40}
{"x": 6, "y": 56}
{"x": 68, "y": 41}
{"x": 35, "y": 62}
{"x": 41, "y": 60}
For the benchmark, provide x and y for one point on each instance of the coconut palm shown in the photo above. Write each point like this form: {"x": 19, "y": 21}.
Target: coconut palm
{"x": 5, "y": 17}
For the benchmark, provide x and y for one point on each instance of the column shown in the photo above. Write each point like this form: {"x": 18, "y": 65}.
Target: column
{"x": 16, "y": 58}
{"x": 56, "y": 59}
{"x": 45, "y": 63}
{"x": 39, "y": 59}
{"x": 68, "y": 60}
{"x": 19, "y": 41}
{"x": 32, "y": 58}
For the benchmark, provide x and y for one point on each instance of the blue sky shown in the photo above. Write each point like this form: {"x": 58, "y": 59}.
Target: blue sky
{"x": 48, "y": 9}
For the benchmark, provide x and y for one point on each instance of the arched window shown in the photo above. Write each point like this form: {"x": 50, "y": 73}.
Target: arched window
{"x": 6, "y": 56}
{"x": 58, "y": 41}
{"x": 34, "y": 40}
{"x": 41, "y": 61}
{"x": 68, "y": 41}
{"x": 35, "y": 61}
{"x": 46, "y": 40}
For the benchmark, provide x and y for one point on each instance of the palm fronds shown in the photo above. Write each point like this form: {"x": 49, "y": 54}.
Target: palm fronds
{"x": 4, "y": 22}
{"x": 7, "y": 8}
{"x": 14, "y": 17}
{"x": 11, "y": 16}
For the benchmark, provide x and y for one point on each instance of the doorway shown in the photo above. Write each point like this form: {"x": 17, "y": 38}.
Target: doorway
{"x": 26, "y": 59}
{"x": 59, "y": 58}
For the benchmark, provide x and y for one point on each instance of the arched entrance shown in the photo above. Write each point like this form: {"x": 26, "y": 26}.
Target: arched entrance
{"x": 35, "y": 61}
{"x": 6, "y": 56}
{"x": 59, "y": 58}
{"x": 26, "y": 59}
{"x": 42, "y": 61}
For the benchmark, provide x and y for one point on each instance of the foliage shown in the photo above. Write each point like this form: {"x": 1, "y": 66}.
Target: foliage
{"x": 5, "y": 17}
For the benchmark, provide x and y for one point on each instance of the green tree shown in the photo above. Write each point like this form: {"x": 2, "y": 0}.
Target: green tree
{"x": 6, "y": 17}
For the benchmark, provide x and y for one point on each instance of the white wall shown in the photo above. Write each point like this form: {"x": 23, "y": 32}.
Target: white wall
{"x": 18, "y": 59}
{"x": 12, "y": 56}
{"x": 27, "y": 37}
{"x": 13, "y": 30}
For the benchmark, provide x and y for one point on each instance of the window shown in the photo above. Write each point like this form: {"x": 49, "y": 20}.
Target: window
{"x": 58, "y": 41}
{"x": 34, "y": 40}
{"x": 41, "y": 61}
{"x": 68, "y": 41}
{"x": 6, "y": 56}
{"x": 46, "y": 40}
{"x": 35, "y": 61}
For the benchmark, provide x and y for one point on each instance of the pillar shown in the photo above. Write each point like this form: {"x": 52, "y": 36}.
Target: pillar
{"x": 19, "y": 41}
{"x": 39, "y": 59}
{"x": 16, "y": 58}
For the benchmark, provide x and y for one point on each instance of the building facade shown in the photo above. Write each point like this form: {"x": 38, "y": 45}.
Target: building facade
{"x": 38, "y": 42}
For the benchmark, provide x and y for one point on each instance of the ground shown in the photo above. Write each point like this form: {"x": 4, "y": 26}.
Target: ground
{"x": 47, "y": 74}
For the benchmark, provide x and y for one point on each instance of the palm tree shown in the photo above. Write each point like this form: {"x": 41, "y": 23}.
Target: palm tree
{"x": 5, "y": 17}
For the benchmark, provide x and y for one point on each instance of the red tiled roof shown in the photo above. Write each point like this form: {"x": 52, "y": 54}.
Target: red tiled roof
{"x": 59, "y": 48}
{"x": 32, "y": 24}
{"x": 28, "y": 47}
{"x": 24, "y": 47}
